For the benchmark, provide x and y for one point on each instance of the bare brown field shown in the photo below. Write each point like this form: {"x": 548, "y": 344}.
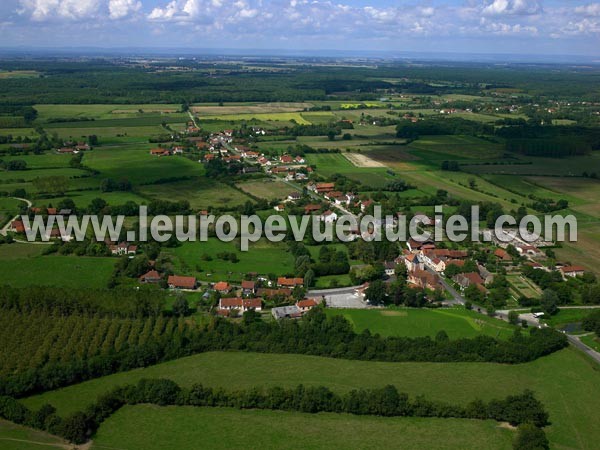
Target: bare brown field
{"x": 361, "y": 160}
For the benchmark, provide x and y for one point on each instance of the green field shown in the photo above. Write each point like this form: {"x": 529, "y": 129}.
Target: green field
{"x": 264, "y": 258}
{"x": 457, "y": 322}
{"x": 592, "y": 341}
{"x": 137, "y": 165}
{"x": 202, "y": 193}
{"x": 149, "y": 427}
{"x": 16, "y": 437}
{"x": 54, "y": 270}
{"x": 567, "y": 316}
{"x": 267, "y": 188}
{"x": 566, "y": 382}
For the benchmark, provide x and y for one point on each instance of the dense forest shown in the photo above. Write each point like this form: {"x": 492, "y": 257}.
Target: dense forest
{"x": 105, "y": 81}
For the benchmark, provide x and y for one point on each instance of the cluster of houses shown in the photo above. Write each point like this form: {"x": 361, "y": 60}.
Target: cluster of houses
{"x": 73, "y": 148}
{"x": 175, "y": 150}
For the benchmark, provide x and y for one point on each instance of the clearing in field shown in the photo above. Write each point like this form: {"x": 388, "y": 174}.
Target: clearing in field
{"x": 268, "y": 188}
{"x": 360, "y": 160}
{"x": 560, "y": 381}
{"x": 154, "y": 428}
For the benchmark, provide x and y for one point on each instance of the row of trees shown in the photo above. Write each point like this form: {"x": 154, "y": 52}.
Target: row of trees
{"x": 386, "y": 401}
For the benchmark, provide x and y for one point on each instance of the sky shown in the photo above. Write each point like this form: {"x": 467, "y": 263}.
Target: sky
{"x": 535, "y": 27}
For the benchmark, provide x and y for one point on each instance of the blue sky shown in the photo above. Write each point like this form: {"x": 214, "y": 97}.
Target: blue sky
{"x": 566, "y": 27}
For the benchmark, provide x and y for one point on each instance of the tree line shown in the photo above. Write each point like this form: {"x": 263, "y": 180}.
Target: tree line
{"x": 80, "y": 426}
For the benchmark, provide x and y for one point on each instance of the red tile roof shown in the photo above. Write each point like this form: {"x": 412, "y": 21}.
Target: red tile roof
{"x": 181, "y": 282}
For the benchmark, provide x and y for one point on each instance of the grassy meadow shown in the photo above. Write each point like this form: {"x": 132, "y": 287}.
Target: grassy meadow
{"x": 566, "y": 382}
{"x": 457, "y": 322}
{"x": 148, "y": 427}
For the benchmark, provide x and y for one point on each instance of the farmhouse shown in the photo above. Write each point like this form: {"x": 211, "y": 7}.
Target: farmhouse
{"x": 151, "y": 277}
{"x": 306, "y": 305}
{"x": 160, "y": 152}
{"x": 572, "y": 271}
{"x": 17, "y": 226}
{"x": 222, "y": 287}
{"x": 423, "y": 279}
{"x": 294, "y": 196}
{"x": 241, "y": 304}
{"x": 248, "y": 287}
{"x": 464, "y": 280}
{"x": 124, "y": 248}
{"x": 311, "y": 208}
{"x": 322, "y": 188}
{"x": 502, "y": 254}
{"x": 286, "y": 159}
{"x": 179, "y": 282}
{"x": 290, "y": 282}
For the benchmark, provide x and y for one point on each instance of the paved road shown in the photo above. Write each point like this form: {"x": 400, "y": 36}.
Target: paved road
{"x": 574, "y": 340}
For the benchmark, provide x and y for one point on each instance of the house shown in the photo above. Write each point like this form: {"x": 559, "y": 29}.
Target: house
{"x": 290, "y": 282}
{"x": 390, "y": 268}
{"x": 464, "y": 280}
{"x": 66, "y": 151}
{"x": 280, "y": 207}
{"x": 572, "y": 271}
{"x": 365, "y": 205}
{"x": 455, "y": 262}
{"x": 124, "y": 248}
{"x": 413, "y": 245}
{"x": 485, "y": 274}
{"x": 322, "y": 188}
{"x": 178, "y": 150}
{"x": 294, "y": 196}
{"x": 437, "y": 264}
{"x": 151, "y": 277}
{"x": 311, "y": 208}
{"x": 286, "y": 159}
{"x": 82, "y": 146}
{"x": 248, "y": 287}
{"x": 328, "y": 217}
{"x": 269, "y": 293}
{"x": 250, "y": 154}
{"x": 286, "y": 312}
{"x": 240, "y": 304}
{"x": 502, "y": 254}
{"x": 264, "y": 161}
{"x": 299, "y": 160}
{"x": 17, "y": 226}
{"x": 306, "y": 305}
{"x": 222, "y": 287}
{"x": 160, "y": 152}
{"x": 179, "y": 282}
{"x": 423, "y": 279}
{"x": 413, "y": 262}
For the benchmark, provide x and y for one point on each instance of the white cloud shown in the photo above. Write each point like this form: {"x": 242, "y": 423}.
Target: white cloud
{"x": 512, "y": 7}
{"x": 119, "y": 9}
{"x": 590, "y": 10}
{"x": 40, "y": 10}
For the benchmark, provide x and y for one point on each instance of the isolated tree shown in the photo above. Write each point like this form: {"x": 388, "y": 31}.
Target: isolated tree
{"x": 309, "y": 278}
{"x": 376, "y": 293}
{"x": 513, "y": 317}
{"x": 181, "y": 306}
{"x": 549, "y": 302}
